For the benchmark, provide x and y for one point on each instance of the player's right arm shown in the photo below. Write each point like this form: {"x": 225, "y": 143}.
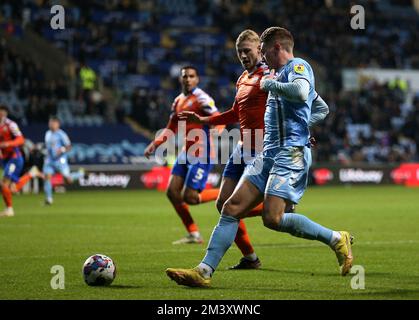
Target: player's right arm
{"x": 227, "y": 117}
{"x": 170, "y": 129}
{"x": 296, "y": 90}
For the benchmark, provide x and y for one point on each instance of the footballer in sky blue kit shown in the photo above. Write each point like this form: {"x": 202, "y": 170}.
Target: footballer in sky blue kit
{"x": 278, "y": 175}
{"x": 57, "y": 144}
{"x": 286, "y": 156}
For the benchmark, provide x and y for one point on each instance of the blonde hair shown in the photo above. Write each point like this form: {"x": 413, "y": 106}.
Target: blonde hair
{"x": 249, "y": 35}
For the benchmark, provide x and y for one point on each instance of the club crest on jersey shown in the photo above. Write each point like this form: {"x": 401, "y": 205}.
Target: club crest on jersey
{"x": 299, "y": 68}
{"x": 190, "y": 104}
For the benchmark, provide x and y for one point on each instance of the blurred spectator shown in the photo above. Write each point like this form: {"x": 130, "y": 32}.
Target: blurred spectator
{"x": 88, "y": 84}
{"x": 137, "y": 47}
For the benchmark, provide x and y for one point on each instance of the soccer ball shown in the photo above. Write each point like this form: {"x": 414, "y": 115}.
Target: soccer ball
{"x": 99, "y": 270}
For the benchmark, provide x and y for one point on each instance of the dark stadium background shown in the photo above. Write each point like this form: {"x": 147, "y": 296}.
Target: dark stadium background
{"x": 135, "y": 49}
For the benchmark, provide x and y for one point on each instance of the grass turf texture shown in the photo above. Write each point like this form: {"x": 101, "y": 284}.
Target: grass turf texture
{"x": 136, "y": 229}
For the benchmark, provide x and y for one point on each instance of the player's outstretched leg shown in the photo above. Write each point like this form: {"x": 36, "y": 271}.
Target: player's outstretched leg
{"x": 48, "y": 190}
{"x": 300, "y": 226}
{"x": 249, "y": 260}
{"x": 221, "y": 239}
{"x": 7, "y": 198}
{"x": 76, "y": 175}
{"x": 174, "y": 193}
{"x": 243, "y": 199}
{"x": 23, "y": 180}
{"x": 208, "y": 195}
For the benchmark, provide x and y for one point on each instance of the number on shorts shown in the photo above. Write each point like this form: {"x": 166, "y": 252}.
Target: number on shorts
{"x": 199, "y": 174}
{"x": 276, "y": 182}
{"x": 12, "y": 168}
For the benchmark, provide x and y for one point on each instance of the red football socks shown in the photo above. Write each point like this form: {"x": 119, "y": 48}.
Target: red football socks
{"x": 22, "y": 181}
{"x": 182, "y": 210}
{"x": 242, "y": 240}
{"x": 7, "y": 196}
{"x": 208, "y": 195}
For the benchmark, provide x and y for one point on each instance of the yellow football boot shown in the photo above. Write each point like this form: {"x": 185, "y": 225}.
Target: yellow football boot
{"x": 188, "y": 277}
{"x": 343, "y": 250}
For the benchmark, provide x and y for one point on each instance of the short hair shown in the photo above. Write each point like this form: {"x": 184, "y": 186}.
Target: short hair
{"x": 54, "y": 118}
{"x": 4, "y": 108}
{"x": 190, "y": 67}
{"x": 278, "y": 33}
{"x": 249, "y": 35}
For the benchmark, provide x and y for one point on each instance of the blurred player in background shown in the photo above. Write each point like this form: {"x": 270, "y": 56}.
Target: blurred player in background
{"x": 11, "y": 139}
{"x": 57, "y": 145}
{"x": 248, "y": 109}
{"x": 279, "y": 174}
{"x": 190, "y": 171}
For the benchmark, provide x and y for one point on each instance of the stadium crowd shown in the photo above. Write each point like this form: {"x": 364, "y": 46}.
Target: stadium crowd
{"x": 137, "y": 48}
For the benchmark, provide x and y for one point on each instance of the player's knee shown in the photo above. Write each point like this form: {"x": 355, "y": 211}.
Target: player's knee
{"x": 191, "y": 198}
{"x": 13, "y": 188}
{"x": 271, "y": 221}
{"x": 173, "y": 195}
{"x": 5, "y": 183}
{"x": 231, "y": 208}
{"x": 219, "y": 204}
{"x": 271, "y": 217}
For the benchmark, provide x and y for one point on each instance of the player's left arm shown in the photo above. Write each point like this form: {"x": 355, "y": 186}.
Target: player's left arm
{"x": 18, "y": 139}
{"x": 319, "y": 111}
{"x": 66, "y": 144}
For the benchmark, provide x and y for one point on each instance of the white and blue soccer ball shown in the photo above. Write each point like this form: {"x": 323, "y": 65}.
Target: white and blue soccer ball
{"x": 99, "y": 270}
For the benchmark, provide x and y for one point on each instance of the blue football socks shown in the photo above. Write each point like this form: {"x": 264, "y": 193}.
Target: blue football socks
{"x": 301, "y": 226}
{"x": 48, "y": 189}
{"x": 221, "y": 239}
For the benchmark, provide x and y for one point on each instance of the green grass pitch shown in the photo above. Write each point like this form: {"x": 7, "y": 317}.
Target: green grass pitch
{"x": 136, "y": 229}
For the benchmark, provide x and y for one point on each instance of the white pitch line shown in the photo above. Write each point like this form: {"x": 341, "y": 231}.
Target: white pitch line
{"x": 175, "y": 250}
{"x": 356, "y": 243}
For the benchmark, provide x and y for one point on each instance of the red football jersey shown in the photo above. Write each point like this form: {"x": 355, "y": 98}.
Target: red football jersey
{"x": 201, "y": 103}
{"x": 10, "y": 133}
{"x": 249, "y": 106}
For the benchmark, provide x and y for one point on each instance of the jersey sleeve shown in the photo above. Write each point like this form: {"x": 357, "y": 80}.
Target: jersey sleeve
{"x": 207, "y": 104}
{"x": 173, "y": 118}
{"x": 173, "y": 109}
{"x": 65, "y": 139}
{"x": 228, "y": 117}
{"x": 170, "y": 128}
{"x": 319, "y": 111}
{"x": 299, "y": 70}
{"x": 14, "y": 129}
{"x": 17, "y": 139}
